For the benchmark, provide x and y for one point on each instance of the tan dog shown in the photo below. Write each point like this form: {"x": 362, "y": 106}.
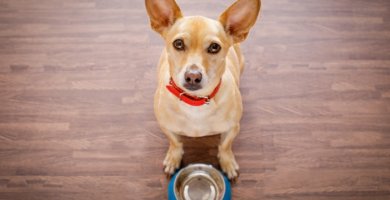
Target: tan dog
{"x": 198, "y": 76}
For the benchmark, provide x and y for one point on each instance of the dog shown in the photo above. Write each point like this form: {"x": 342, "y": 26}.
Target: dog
{"x": 198, "y": 76}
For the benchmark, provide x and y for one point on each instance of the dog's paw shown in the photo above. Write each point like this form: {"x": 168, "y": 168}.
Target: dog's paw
{"x": 228, "y": 165}
{"x": 172, "y": 160}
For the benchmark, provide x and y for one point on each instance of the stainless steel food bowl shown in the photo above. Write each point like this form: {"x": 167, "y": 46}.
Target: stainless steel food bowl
{"x": 199, "y": 182}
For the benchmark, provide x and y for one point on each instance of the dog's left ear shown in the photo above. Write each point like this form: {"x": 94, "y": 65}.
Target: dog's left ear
{"x": 162, "y": 14}
{"x": 239, "y": 18}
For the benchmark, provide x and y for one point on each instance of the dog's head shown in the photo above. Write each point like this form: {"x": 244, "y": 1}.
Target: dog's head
{"x": 197, "y": 46}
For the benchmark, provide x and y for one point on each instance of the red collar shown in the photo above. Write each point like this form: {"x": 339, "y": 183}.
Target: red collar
{"x": 191, "y": 100}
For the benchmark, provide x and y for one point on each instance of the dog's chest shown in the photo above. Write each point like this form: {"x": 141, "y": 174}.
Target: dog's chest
{"x": 200, "y": 121}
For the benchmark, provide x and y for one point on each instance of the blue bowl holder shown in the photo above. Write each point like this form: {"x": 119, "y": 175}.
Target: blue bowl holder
{"x": 171, "y": 193}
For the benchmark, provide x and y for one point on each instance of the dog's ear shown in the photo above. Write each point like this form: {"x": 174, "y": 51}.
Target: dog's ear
{"x": 162, "y": 14}
{"x": 239, "y": 18}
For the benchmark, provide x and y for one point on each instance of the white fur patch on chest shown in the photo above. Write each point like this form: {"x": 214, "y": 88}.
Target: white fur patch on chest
{"x": 199, "y": 121}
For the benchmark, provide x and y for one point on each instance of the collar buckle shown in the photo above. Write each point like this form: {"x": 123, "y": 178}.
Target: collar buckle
{"x": 207, "y": 99}
{"x": 181, "y": 94}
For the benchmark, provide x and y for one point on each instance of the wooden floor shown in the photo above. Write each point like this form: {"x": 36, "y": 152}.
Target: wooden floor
{"x": 77, "y": 79}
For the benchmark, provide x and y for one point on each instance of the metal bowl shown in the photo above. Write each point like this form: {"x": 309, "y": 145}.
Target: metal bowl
{"x": 199, "y": 182}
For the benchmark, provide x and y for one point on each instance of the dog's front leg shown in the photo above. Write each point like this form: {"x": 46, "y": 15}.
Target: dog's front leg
{"x": 225, "y": 154}
{"x": 175, "y": 152}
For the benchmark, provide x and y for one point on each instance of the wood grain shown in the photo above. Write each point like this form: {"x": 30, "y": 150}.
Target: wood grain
{"x": 77, "y": 80}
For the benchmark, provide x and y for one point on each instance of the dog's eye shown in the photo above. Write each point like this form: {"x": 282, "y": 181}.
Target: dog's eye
{"x": 214, "y": 48}
{"x": 179, "y": 44}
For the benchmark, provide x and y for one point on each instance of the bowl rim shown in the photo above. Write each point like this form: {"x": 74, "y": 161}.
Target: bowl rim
{"x": 205, "y": 166}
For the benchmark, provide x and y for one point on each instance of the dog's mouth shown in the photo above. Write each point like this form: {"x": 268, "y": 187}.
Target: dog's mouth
{"x": 192, "y": 87}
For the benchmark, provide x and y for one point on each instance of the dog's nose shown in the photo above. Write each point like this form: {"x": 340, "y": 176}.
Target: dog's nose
{"x": 193, "y": 77}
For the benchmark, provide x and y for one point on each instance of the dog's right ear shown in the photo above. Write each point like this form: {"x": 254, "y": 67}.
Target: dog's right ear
{"x": 162, "y": 14}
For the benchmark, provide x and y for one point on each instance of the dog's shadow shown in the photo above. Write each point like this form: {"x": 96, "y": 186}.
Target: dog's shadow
{"x": 201, "y": 150}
